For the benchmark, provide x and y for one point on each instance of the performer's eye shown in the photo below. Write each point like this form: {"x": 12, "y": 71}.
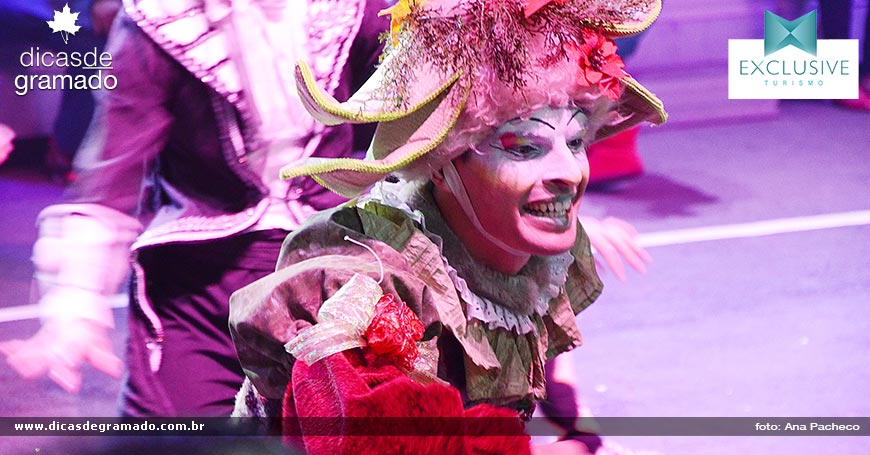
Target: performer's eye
{"x": 518, "y": 147}
{"x": 577, "y": 145}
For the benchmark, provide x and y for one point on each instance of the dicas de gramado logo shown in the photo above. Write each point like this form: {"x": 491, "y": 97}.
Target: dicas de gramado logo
{"x": 65, "y": 23}
{"x": 98, "y": 64}
{"x": 792, "y": 63}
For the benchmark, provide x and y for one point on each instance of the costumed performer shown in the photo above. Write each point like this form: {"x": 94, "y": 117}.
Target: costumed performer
{"x": 443, "y": 292}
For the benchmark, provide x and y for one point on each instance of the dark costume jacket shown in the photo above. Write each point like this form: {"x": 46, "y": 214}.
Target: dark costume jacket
{"x": 177, "y": 120}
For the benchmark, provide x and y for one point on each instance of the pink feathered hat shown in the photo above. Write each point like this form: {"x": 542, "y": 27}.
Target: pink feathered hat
{"x": 453, "y": 70}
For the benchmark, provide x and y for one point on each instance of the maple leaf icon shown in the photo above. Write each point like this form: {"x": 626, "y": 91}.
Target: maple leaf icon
{"x": 65, "y": 23}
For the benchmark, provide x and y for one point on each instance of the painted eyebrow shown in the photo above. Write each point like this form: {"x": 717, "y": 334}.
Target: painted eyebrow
{"x": 534, "y": 119}
{"x": 578, "y": 111}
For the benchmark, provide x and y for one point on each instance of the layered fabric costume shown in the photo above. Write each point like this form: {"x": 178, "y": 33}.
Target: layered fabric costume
{"x": 493, "y": 353}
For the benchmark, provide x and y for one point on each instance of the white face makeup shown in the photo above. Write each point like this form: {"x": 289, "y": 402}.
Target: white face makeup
{"x": 525, "y": 180}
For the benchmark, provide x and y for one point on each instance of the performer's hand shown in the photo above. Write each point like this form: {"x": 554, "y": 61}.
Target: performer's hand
{"x": 59, "y": 349}
{"x": 615, "y": 240}
{"x": 6, "y": 137}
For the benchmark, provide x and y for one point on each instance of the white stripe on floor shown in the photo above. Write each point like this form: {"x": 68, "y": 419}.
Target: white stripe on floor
{"x": 652, "y": 239}
{"x": 755, "y": 229}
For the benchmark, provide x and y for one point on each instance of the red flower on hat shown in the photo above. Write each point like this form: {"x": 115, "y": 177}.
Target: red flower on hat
{"x": 599, "y": 65}
{"x": 394, "y": 332}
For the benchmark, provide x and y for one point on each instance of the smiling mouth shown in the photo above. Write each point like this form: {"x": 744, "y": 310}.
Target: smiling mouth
{"x": 554, "y": 208}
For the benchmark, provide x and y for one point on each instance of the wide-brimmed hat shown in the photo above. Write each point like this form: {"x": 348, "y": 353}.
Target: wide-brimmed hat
{"x": 453, "y": 70}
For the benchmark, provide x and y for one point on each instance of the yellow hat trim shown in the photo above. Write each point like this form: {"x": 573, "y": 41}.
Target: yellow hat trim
{"x": 320, "y": 169}
{"x": 326, "y": 109}
{"x": 628, "y": 29}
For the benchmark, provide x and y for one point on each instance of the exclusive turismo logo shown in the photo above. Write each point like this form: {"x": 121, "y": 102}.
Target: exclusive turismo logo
{"x": 78, "y": 70}
{"x": 792, "y": 63}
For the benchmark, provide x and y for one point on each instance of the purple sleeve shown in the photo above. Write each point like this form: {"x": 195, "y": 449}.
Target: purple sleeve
{"x": 131, "y": 123}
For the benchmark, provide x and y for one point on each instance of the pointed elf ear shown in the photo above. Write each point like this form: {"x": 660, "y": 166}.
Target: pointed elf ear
{"x": 371, "y": 103}
{"x": 405, "y": 132}
{"x": 438, "y": 177}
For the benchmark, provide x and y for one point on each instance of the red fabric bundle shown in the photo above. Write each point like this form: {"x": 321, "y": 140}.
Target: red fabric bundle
{"x": 350, "y": 403}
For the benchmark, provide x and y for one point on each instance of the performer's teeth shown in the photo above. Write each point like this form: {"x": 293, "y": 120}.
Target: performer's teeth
{"x": 549, "y": 209}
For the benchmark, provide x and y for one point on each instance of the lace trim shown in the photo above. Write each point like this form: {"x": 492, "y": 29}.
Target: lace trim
{"x": 485, "y": 311}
